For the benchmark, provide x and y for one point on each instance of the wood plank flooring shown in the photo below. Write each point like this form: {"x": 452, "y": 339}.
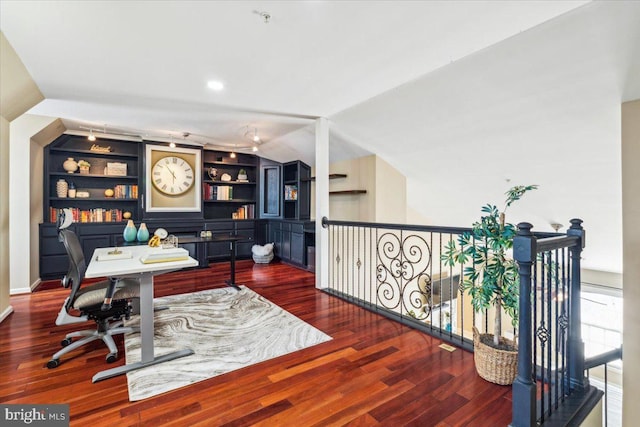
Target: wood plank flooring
{"x": 374, "y": 371}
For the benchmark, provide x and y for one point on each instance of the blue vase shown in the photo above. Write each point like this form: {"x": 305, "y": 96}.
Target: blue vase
{"x": 130, "y": 232}
{"x": 143, "y": 233}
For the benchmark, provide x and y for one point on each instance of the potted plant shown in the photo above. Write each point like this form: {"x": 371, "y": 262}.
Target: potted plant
{"x": 242, "y": 175}
{"x": 490, "y": 277}
{"x": 84, "y": 166}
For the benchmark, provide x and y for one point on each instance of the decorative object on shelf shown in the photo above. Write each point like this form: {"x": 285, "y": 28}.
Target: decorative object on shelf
{"x": 70, "y": 165}
{"x": 130, "y": 233}
{"x": 242, "y": 175}
{"x": 62, "y": 188}
{"x": 491, "y": 278}
{"x": 143, "y": 233}
{"x": 99, "y": 149}
{"x": 154, "y": 242}
{"x": 82, "y": 194}
{"x": 126, "y": 215}
{"x": 161, "y": 233}
{"x": 225, "y": 177}
{"x": 290, "y": 192}
{"x": 213, "y": 173}
{"x": 116, "y": 169}
{"x": 108, "y": 192}
{"x": 170, "y": 242}
{"x": 84, "y": 166}
{"x": 72, "y": 190}
{"x": 262, "y": 254}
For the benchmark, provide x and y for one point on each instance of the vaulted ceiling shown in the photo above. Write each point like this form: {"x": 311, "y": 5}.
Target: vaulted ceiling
{"x": 465, "y": 98}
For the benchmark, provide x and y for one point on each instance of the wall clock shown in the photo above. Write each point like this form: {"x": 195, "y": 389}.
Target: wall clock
{"x": 172, "y": 175}
{"x": 172, "y": 179}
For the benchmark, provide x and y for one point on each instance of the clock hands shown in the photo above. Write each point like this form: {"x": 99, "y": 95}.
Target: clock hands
{"x": 172, "y": 174}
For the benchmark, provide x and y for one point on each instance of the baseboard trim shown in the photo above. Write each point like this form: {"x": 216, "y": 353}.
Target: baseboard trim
{"x": 6, "y": 313}
{"x": 18, "y": 291}
{"x": 35, "y": 284}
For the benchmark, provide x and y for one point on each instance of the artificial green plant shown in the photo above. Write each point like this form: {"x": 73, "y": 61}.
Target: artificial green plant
{"x": 492, "y": 278}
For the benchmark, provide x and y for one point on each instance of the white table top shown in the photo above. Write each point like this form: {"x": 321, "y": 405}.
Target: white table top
{"x": 133, "y": 265}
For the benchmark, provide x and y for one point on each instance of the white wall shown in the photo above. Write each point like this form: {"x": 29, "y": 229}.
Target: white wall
{"x": 631, "y": 244}
{"x": 385, "y": 186}
{"x": 18, "y": 93}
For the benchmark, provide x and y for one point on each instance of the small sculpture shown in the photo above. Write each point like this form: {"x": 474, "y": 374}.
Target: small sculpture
{"x": 213, "y": 173}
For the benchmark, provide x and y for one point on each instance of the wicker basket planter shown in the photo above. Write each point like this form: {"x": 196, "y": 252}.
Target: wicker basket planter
{"x": 262, "y": 254}
{"x": 262, "y": 259}
{"x": 492, "y": 364}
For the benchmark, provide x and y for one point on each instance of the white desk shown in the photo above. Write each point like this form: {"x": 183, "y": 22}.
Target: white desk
{"x": 134, "y": 268}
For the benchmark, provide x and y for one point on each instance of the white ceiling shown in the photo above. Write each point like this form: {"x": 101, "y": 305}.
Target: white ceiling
{"x": 141, "y": 67}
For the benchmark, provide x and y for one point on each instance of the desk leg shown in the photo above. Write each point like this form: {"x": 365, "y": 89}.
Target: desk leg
{"x": 232, "y": 282}
{"x": 146, "y": 336}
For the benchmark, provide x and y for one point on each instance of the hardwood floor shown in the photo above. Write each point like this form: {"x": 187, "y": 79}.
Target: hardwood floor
{"x": 373, "y": 372}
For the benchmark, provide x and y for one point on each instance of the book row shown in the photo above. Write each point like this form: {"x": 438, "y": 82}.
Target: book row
{"x": 89, "y": 215}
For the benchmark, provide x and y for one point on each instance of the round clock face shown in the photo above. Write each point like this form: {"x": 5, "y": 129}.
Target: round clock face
{"x": 172, "y": 175}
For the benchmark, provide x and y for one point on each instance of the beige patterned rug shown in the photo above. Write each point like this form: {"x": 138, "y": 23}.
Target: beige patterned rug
{"x": 226, "y": 328}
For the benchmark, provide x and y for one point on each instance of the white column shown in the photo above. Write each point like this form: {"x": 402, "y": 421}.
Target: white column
{"x": 322, "y": 202}
{"x": 21, "y": 216}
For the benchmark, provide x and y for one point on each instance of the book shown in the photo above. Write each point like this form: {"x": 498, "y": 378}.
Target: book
{"x": 165, "y": 255}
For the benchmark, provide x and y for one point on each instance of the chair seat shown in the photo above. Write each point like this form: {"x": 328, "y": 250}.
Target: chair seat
{"x": 94, "y": 294}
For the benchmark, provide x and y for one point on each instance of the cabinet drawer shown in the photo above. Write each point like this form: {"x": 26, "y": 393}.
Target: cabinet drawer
{"x": 100, "y": 230}
{"x": 245, "y": 225}
{"x": 54, "y": 266}
{"x": 51, "y": 246}
{"x": 222, "y": 225}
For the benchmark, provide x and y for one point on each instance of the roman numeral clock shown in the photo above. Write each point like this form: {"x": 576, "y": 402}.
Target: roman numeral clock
{"x": 173, "y": 179}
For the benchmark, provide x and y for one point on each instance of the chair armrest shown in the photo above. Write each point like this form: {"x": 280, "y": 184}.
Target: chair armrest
{"x": 108, "y": 296}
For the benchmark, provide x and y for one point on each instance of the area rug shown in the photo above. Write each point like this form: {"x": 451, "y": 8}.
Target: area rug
{"x": 226, "y": 328}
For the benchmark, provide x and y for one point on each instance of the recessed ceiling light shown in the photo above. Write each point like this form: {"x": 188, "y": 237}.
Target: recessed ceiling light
{"x": 215, "y": 85}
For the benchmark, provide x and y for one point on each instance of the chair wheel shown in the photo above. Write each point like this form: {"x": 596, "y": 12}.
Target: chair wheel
{"x": 65, "y": 342}
{"x": 112, "y": 357}
{"x": 53, "y": 363}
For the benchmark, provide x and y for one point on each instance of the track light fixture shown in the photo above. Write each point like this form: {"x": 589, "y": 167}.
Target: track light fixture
{"x": 91, "y": 136}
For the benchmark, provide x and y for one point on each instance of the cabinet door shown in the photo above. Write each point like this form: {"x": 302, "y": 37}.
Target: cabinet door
{"x": 270, "y": 184}
{"x": 285, "y": 253}
{"x": 90, "y": 243}
{"x": 297, "y": 248}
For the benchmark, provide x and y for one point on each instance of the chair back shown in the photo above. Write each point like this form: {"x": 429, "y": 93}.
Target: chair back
{"x": 77, "y": 263}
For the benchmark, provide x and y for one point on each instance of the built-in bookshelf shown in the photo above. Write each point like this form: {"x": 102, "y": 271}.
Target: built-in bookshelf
{"x": 297, "y": 190}
{"x": 229, "y": 185}
{"x": 104, "y": 192}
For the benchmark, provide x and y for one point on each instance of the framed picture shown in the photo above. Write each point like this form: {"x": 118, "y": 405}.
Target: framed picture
{"x": 173, "y": 179}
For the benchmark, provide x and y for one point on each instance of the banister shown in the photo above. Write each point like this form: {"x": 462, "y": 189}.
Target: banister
{"x": 603, "y": 358}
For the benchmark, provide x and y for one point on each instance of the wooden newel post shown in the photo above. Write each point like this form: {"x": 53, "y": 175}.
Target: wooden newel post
{"x": 524, "y": 388}
{"x": 577, "y": 379}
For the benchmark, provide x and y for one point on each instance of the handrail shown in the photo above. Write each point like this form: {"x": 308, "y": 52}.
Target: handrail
{"x": 553, "y": 243}
{"x": 412, "y": 227}
{"x": 603, "y": 358}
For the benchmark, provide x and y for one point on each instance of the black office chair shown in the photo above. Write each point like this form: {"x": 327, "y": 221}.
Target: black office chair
{"x": 105, "y": 302}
